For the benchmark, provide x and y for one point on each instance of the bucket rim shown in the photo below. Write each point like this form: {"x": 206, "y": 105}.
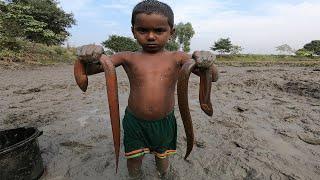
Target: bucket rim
{"x": 36, "y": 134}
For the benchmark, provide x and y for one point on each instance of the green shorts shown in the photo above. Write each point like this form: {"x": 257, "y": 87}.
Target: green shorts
{"x": 149, "y": 136}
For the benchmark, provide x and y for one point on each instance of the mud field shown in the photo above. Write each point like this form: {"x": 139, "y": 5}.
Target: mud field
{"x": 266, "y": 124}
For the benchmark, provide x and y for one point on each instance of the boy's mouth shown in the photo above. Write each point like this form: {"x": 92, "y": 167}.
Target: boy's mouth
{"x": 151, "y": 45}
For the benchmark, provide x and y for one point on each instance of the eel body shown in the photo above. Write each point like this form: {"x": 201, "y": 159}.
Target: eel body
{"x": 182, "y": 91}
{"x": 113, "y": 101}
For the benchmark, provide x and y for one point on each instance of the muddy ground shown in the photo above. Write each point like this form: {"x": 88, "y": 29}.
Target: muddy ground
{"x": 266, "y": 124}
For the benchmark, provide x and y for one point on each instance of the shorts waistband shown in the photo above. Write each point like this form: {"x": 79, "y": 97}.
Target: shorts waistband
{"x": 130, "y": 113}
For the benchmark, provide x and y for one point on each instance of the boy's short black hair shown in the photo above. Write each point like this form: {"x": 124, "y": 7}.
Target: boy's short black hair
{"x": 153, "y": 6}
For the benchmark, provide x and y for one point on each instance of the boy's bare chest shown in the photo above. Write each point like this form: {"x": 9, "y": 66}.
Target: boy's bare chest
{"x": 153, "y": 69}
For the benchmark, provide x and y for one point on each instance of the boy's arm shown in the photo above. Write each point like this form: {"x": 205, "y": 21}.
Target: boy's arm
{"x": 116, "y": 59}
{"x": 185, "y": 57}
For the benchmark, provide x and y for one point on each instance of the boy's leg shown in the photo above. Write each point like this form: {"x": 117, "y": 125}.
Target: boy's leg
{"x": 162, "y": 165}
{"x": 134, "y": 167}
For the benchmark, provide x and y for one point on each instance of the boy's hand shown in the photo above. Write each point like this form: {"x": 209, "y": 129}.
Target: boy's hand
{"x": 89, "y": 53}
{"x": 204, "y": 59}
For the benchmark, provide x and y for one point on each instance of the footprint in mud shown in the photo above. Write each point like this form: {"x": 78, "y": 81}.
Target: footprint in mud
{"x": 253, "y": 70}
{"x": 278, "y": 101}
{"x": 28, "y": 91}
{"x": 99, "y": 138}
{"x": 76, "y": 146}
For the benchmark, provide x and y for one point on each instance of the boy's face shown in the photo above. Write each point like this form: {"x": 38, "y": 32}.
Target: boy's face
{"x": 152, "y": 31}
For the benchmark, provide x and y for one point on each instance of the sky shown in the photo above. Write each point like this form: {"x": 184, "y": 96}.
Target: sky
{"x": 258, "y": 26}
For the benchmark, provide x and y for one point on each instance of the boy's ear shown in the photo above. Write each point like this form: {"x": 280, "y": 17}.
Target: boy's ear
{"x": 132, "y": 30}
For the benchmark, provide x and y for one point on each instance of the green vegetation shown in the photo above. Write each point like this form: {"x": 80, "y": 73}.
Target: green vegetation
{"x": 183, "y": 35}
{"x": 310, "y": 49}
{"x": 117, "y": 43}
{"x": 224, "y": 45}
{"x": 313, "y": 46}
{"x": 40, "y": 21}
{"x": 36, "y": 53}
{"x": 32, "y": 30}
{"x": 229, "y": 54}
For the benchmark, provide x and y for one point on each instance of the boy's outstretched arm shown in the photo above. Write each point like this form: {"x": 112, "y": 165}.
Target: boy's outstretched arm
{"x": 196, "y": 71}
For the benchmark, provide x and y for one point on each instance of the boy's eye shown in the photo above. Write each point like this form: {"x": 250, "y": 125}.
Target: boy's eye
{"x": 142, "y": 30}
{"x": 160, "y": 30}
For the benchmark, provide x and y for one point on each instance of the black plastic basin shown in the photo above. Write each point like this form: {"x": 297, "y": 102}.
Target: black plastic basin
{"x": 20, "y": 157}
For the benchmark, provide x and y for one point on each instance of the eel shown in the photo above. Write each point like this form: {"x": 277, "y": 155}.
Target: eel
{"x": 182, "y": 92}
{"x": 205, "y": 91}
{"x": 81, "y": 72}
{"x": 204, "y": 63}
{"x": 113, "y": 101}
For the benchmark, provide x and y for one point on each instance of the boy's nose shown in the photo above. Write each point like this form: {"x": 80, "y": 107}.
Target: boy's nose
{"x": 151, "y": 36}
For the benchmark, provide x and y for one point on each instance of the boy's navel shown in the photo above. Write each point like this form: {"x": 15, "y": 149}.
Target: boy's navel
{"x": 150, "y": 109}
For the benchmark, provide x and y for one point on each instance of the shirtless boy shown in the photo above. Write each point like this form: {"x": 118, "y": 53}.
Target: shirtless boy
{"x": 149, "y": 123}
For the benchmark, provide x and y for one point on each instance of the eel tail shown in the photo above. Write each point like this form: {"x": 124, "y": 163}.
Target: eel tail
{"x": 182, "y": 91}
{"x": 205, "y": 91}
{"x": 80, "y": 75}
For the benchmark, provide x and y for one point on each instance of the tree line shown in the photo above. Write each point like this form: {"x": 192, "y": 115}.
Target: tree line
{"x": 43, "y": 21}
{"x": 310, "y": 49}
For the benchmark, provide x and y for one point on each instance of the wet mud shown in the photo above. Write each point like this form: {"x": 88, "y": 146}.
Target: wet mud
{"x": 265, "y": 124}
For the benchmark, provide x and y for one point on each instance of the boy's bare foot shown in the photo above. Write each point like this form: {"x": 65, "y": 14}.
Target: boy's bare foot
{"x": 169, "y": 175}
{"x": 139, "y": 176}
{"x": 134, "y": 168}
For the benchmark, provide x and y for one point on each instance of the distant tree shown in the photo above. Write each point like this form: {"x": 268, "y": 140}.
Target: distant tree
{"x": 303, "y": 52}
{"x": 172, "y": 45}
{"x": 184, "y": 33}
{"x": 40, "y": 21}
{"x": 235, "y": 49}
{"x": 285, "y": 48}
{"x": 120, "y": 43}
{"x": 313, "y": 46}
{"x": 15, "y": 24}
{"x": 222, "y": 46}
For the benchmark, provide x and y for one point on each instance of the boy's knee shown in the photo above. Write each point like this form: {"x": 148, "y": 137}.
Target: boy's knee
{"x": 135, "y": 160}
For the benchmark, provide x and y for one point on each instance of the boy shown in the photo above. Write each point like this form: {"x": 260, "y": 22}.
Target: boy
{"x": 149, "y": 123}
